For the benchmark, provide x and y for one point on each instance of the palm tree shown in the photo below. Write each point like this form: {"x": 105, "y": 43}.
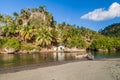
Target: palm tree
{"x": 25, "y": 14}
{"x": 26, "y": 33}
{"x": 1, "y": 17}
{"x": 42, "y": 9}
{"x": 2, "y": 20}
{"x": 8, "y": 20}
{"x": 33, "y": 10}
{"x": 55, "y": 36}
{"x": 18, "y": 20}
{"x": 49, "y": 21}
{"x": 9, "y": 28}
{"x": 15, "y": 14}
{"x": 44, "y": 37}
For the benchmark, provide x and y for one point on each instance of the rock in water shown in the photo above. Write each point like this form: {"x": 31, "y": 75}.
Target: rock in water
{"x": 90, "y": 57}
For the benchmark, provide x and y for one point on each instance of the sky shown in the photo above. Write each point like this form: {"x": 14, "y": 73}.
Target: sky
{"x": 92, "y": 14}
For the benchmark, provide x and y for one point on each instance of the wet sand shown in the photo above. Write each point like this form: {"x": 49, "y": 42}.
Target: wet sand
{"x": 106, "y": 69}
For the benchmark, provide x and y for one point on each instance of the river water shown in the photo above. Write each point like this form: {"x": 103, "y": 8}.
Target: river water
{"x": 11, "y": 60}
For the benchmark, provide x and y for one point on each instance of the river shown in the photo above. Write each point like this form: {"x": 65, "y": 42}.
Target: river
{"x": 11, "y": 60}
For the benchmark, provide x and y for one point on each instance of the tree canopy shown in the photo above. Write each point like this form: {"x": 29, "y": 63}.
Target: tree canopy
{"x": 37, "y": 27}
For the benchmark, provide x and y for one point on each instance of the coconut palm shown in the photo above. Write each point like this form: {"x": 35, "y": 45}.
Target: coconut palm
{"x": 42, "y": 9}
{"x": 55, "y": 36}
{"x": 8, "y": 20}
{"x": 17, "y": 19}
{"x": 44, "y": 37}
{"x": 33, "y": 10}
{"x": 2, "y": 20}
{"x": 15, "y": 15}
{"x": 1, "y": 17}
{"x": 26, "y": 33}
{"x": 9, "y": 28}
{"x": 25, "y": 14}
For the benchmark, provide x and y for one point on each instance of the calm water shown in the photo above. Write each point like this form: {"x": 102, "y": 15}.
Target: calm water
{"x": 99, "y": 55}
{"x": 7, "y": 60}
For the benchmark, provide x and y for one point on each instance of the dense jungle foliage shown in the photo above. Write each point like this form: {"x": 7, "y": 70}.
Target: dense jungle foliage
{"x": 35, "y": 28}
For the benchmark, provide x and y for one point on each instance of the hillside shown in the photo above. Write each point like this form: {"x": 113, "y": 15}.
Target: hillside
{"x": 35, "y": 28}
{"x": 112, "y": 30}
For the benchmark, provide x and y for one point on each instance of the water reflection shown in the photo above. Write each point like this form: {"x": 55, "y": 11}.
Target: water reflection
{"x": 99, "y": 55}
{"x": 24, "y": 59}
{"x": 7, "y": 57}
{"x": 7, "y": 60}
{"x": 61, "y": 56}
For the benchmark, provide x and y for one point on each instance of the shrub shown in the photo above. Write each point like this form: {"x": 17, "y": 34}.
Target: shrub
{"x": 13, "y": 43}
{"x": 27, "y": 47}
{"x": 105, "y": 43}
{"x": 2, "y": 42}
{"x": 76, "y": 41}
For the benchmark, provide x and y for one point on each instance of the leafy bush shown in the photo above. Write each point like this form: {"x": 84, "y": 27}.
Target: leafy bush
{"x": 2, "y": 42}
{"x": 105, "y": 43}
{"x": 13, "y": 43}
{"x": 27, "y": 47}
{"x": 38, "y": 48}
{"x": 76, "y": 41}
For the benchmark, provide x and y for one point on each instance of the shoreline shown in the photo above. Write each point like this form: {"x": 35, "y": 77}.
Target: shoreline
{"x": 4, "y": 70}
{"x": 14, "y": 69}
{"x": 73, "y": 70}
{"x": 43, "y": 50}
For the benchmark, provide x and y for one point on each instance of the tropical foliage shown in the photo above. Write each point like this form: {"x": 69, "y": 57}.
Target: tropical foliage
{"x": 106, "y": 43}
{"x": 44, "y": 37}
{"x": 12, "y": 43}
{"x": 112, "y": 30}
{"x": 36, "y": 28}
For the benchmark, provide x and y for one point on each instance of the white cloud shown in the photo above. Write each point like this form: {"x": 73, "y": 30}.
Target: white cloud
{"x": 102, "y": 14}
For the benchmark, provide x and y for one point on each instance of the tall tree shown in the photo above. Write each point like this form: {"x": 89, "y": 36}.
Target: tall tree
{"x": 44, "y": 37}
{"x": 25, "y": 14}
{"x": 26, "y": 33}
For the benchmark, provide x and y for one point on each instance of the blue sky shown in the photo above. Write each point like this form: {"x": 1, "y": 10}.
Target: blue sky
{"x": 93, "y": 14}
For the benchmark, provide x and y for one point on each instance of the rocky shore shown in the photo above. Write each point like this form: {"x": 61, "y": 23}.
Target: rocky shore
{"x": 43, "y": 50}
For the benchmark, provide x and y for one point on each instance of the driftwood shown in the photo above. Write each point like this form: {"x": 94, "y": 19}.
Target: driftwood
{"x": 9, "y": 50}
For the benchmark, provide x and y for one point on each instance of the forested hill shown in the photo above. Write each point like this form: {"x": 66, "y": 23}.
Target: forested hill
{"x": 112, "y": 30}
{"x": 35, "y": 28}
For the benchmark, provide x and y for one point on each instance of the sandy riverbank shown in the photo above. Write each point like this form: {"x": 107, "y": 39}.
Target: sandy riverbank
{"x": 83, "y": 70}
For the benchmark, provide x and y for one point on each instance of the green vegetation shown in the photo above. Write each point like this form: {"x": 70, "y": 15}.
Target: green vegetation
{"x": 105, "y": 43}
{"x": 35, "y": 28}
{"x": 29, "y": 46}
{"x": 2, "y": 42}
{"x": 13, "y": 43}
{"x": 112, "y": 30}
{"x": 110, "y": 40}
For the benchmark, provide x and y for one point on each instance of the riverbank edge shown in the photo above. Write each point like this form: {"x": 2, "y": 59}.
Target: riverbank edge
{"x": 4, "y": 70}
{"x": 43, "y": 50}
{"x": 51, "y": 50}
